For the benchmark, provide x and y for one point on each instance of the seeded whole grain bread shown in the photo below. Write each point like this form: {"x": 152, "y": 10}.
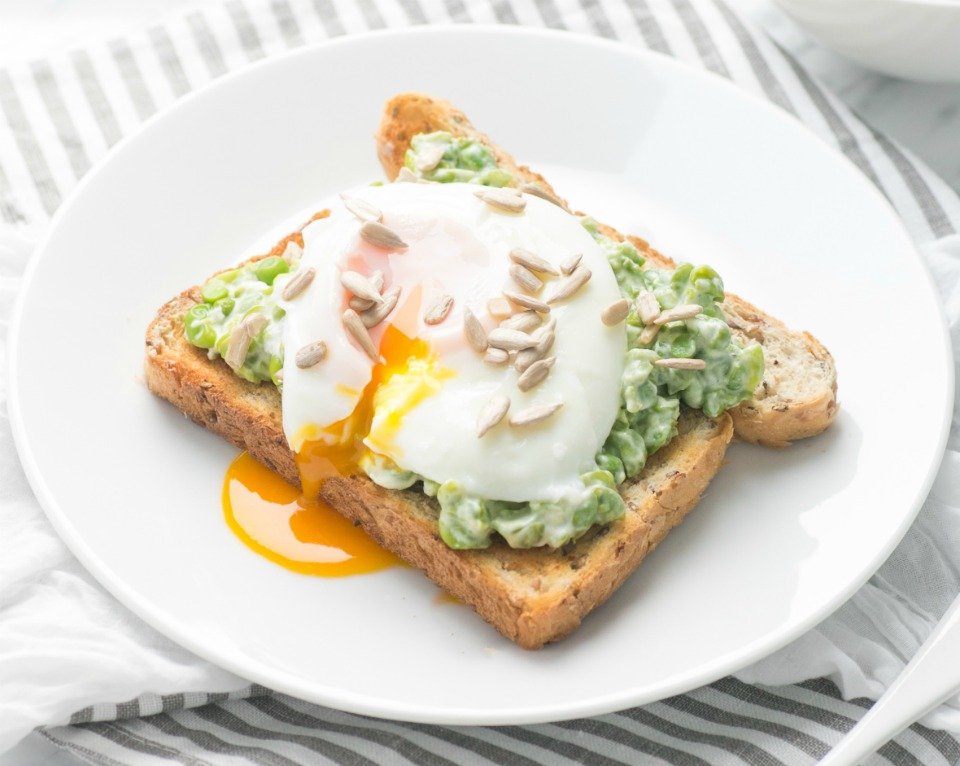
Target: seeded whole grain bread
{"x": 798, "y": 395}
{"x": 531, "y": 596}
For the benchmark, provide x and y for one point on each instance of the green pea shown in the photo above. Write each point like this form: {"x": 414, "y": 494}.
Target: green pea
{"x": 197, "y": 327}
{"x": 495, "y": 177}
{"x": 214, "y": 290}
{"x": 270, "y": 268}
{"x": 226, "y": 306}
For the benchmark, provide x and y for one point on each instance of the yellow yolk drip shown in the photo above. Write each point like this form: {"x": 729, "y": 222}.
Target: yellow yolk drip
{"x": 295, "y": 528}
{"x": 271, "y": 518}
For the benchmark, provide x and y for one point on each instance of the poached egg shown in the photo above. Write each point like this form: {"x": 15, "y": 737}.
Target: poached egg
{"x": 418, "y": 404}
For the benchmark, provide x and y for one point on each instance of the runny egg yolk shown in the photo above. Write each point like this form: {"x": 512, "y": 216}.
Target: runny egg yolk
{"x": 272, "y": 518}
{"x": 295, "y": 528}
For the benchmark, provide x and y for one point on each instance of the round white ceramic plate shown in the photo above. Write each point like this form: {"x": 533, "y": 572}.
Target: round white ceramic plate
{"x": 707, "y": 173}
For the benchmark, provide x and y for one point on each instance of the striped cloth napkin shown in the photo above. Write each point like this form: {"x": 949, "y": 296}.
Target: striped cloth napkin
{"x": 58, "y": 116}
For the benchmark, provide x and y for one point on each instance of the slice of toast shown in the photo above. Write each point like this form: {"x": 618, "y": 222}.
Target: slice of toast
{"x": 531, "y": 596}
{"x": 798, "y": 395}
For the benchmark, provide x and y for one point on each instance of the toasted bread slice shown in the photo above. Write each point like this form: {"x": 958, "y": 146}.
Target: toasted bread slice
{"x": 798, "y": 395}
{"x": 531, "y": 596}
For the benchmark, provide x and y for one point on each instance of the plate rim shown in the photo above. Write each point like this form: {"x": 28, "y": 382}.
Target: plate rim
{"x": 365, "y": 704}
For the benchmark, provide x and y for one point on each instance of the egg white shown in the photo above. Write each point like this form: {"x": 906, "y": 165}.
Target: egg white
{"x": 458, "y": 245}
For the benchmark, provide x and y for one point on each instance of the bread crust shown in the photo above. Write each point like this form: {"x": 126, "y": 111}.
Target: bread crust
{"x": 797, "y": 397}
{"x": 530, "y": 596}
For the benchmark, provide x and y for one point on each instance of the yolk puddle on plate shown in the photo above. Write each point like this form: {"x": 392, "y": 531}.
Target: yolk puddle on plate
{"x": 295, "y": 528}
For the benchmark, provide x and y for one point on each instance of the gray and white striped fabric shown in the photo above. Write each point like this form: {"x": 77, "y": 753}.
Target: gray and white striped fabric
{"x": 58, "y": 116}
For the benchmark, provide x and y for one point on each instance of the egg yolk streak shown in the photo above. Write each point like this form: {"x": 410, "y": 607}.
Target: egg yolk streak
{"x": 295, "y": 528}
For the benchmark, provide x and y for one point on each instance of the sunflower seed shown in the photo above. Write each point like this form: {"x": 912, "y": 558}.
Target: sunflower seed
{"x": 360, "y": 304}
{"x": 474, "y": 332}
{"x": 360, "y": 286}
{"x": 374, "y": 316}
{"x": 376, "y": 279}
{"x": 532, "y": 261}
{"x": 615, "y": 313}
{"x": 362, "y": 209}
{"x": 525, "y": 358}
{"x": 525, "y": 321}
{"x": 545, "y": 337}
{"x": 527, "y": 301}
{"x": 571, "y": 263}
{"x": 503, "y": 199}
{"x": 534, "y": 414}
{"x": 292, "y": 253}
{"x": 538, "y": 191}
{"x": 648, "y": 307}
{"x": 648, "y": 334}
{"x": 569, "y": 287}
{"x": 536, "y": 373}
{"x": 510, "y": 340}
{"x": 492, "y": 413}
{"x": 311, "y": 354}
{"x": 499, "y": 307}
{"x": 525, "y": 278}
{"x": 299, "y": 282}
{"x": 496, "y": 356}
{"x": 439, "y": 310}
{"x": 405, "y": 175}
{"x": 378, "y": 235}
{"x": 355, "y": 326}
{"x": 682, "y": 364}
{"x": 683, "y": 311}
{"x": 241, "y": 338}
{"x": 429, "y": 158}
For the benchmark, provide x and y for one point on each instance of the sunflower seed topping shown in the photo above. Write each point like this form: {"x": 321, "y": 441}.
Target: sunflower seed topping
{"x": 649, "y": 333}
{"x": 536, "y": 373}
{"x": 538, "y": 191}
{"x": 429, "y": 158}
{"x": 405, "y": 175}
{"x": 241, "y": 338}
{"x": 474, "y": 332}
{"x": 378, "y": 235}
{"x": 439, "y": 310}
{"x": 499, "y": 307}
{"x": 682, "y": 364}
{"x": 506, "y": 199}
{"x": 492, "y": 413}
{"x": 525, "y": 321}
{"x": 527, "y": 301}
{"x": 355, "y": 326}
{"x": 362, "y": 209}
{"x": 615, "y": 313}
{"x": 375, "y": 315}
{"x": 532, "y": 261}
{"x": 311, "y": 354}
{"x": 534, "y": 414}
{"x": 683, "y": 311}
{"x": 360, "y": 304}
{"x": 525, "y": 358}
{"x": 525, "y": 278}
{"x": 648, "y": 307}
{"x": 376, "y": 279}
{"x": 360, "y": 286}
{"x": 569, "y": 287}
{"x": 299, "y": 282}
{"x": 571, "y": 263}
{"x": 510, "y": 340}
{"x": 496, "y": 356}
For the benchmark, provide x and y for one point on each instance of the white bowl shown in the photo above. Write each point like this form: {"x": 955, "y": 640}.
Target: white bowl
{"x": 913, "y": 39}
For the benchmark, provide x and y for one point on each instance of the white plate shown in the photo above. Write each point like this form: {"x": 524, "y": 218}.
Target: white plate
{"x": 708, "y": 173}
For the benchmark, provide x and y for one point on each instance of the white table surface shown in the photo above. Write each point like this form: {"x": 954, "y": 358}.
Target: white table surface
{"x": 923, "y": 117}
